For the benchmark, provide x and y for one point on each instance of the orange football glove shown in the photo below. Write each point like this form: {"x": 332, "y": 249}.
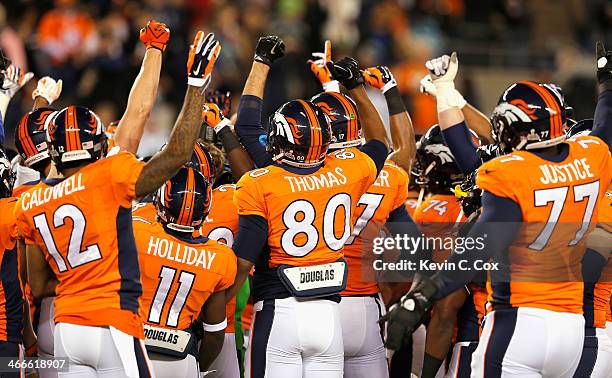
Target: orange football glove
{"x": 155, "y": 35}
{"x": 318, "y": 66}
{"x": 202, "y": 57}
{"x": 379, "y": 77}
{"x": 213, "y": 117}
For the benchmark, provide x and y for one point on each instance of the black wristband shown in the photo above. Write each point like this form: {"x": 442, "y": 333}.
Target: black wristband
{"x": 431, "y": 365}
{"x": 394, "y": 101}
{"x": 229, "y": 140}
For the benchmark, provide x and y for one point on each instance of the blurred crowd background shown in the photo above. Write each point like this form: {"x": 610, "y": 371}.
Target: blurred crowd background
{"x": 93, "y": 47}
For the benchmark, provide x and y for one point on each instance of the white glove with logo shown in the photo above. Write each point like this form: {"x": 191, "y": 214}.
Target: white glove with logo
{"x": 442, "y": 72}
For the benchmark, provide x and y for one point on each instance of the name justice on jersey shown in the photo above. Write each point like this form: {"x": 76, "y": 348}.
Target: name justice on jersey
{"x": 41, "y": 196}
{"x": 315, "y": 182}
{"x": 578, "y": 169}
{"x": 167, "y": 249}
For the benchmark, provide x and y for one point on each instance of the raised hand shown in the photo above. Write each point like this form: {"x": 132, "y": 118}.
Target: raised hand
{"x": 379, "y": 77}
{"x": 269, "y": 49}
{"x": 347, "y": 72}
{"x": 48, "y": 88}
{"x": 442, "y": 72}
{"x": 14, "y": 79}
{"x": 155, "y": 35}
{"x": 604, "y": 66}
{"x": 202, "y": 57}
{"x": 318, "y": 66}
{"x": 213, "y": 117}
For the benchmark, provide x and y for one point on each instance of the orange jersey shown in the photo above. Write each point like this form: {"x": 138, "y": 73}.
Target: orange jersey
{"x": 388, "y": 192}
{"x": 144, "y": 211}
{"x": 309, "y": 215}
{"x": 603, "y": 289}
{"x": 221, "y": 224}
{"x": 549, "y": 193}
{"x": 439, "y": 208}
{"x": 179, "y": 274}
{"x": 11, "y": 302}
{"x": 83, "y": 224}
{"x": 411, "y": 205}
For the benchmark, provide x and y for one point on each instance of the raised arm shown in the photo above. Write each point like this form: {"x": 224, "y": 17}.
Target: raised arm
{"x": 47, "y": 91}
{"x": 475, "y": 119}
{"x": 248, "y": 123}
{"x": 13, "y": 78}
{"x": 402, "y": 132}
{"x": 239, "y": 160}
{"x": 450, "y": 117}
{"x": 203, "y": 53}
{"x": 318, "y": 66}
{"x": 144, "y": 91}
{"x": 603, "y": 111}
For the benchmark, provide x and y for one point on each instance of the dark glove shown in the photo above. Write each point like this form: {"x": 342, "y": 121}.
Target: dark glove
{"x": 404, "y": 317}
{"x": 222, "y": 100}
{"x": 604, "y": 66}
{"x": 269, "y": 49}
{"x": 347, "y": 72}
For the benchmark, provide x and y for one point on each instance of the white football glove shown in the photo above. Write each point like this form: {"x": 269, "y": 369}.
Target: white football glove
{"x": 14, "y": 79}
{"x": 442, "y": 71}
{"x": 427, "y": 86}
{"x": 48, "y": 88}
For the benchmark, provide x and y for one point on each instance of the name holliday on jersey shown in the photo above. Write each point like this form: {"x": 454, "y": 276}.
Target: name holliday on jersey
{"x": 159, "y": 335}
{"x": 167, "y": 249}
{"x": 317, "y": 181}
{"x": 41, "y": 196}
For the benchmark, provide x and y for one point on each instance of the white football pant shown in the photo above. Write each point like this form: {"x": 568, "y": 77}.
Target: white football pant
{"x": 295, "y": 338}
{"x": 100, "y": 352}
{"x": 364, "y": 352}
{"x": 529, "y": 342}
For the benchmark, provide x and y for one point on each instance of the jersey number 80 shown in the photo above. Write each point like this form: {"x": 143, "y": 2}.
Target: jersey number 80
{"x": 299, "y": 217}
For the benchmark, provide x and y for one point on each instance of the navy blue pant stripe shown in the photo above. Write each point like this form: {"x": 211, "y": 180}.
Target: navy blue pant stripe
{"x": 141, "y": 361}
{"x": 130, "y": 289}
{"x": 464, "y": 365}
{"x": 589, "y": 354}
{"x": 504, "y": 323}
{"x": 9, "y": 274}
{"x": 381, "y": 326}
{"x": 261, "y": 334}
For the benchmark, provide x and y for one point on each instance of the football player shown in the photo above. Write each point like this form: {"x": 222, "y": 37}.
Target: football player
{"x": 221, "y": 224}
{"x": 436, "y": 171}
{"x": 361, "y": 305}
{"x": 11, "y": 295}
{"x": 78, "y": 230}
{"x": 535, "y": 328}
{"x": 596, "y": 359}
{"x": 301, "y": 206}
{"x": 184, "y": 278}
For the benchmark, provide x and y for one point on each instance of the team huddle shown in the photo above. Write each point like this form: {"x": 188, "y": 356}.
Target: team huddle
{"x": 240, "y": 250}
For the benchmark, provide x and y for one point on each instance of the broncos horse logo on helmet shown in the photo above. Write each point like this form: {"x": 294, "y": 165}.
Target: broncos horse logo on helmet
{"x": 529, "y": 116}
{"x": 435, "y": 168}
{"x": 345, "y": 125}
{"x": 31, "y": 138}
{"x": 76, "y": 135}
{"x": 183, "y": 202}
{"x": 299, "y": 134}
